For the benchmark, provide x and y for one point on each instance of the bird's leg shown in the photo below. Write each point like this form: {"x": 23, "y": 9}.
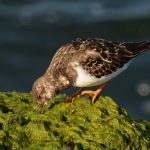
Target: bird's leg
{"x": 75, "y": 95}
{"x": 95, "y": 93}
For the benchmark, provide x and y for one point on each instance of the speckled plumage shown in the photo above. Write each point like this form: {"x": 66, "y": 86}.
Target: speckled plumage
{"x": 97, "y": 57}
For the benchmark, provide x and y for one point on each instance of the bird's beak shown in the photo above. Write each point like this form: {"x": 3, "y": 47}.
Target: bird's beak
{"x": 42, "y": 106}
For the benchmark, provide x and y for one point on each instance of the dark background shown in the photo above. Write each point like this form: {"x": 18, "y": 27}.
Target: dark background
{"x": 32, "y": 30}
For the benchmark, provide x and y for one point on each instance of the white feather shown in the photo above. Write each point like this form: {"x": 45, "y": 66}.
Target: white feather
{"x": 84, "y": 79}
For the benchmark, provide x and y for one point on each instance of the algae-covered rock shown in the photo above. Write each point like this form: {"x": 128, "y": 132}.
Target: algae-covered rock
{"x": 78, "y": 125}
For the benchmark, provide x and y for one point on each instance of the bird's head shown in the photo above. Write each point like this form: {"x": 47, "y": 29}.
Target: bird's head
{"x": 43, "y": 91}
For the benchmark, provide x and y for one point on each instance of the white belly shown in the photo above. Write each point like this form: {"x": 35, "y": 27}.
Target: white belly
{"x": 84, "y": 79}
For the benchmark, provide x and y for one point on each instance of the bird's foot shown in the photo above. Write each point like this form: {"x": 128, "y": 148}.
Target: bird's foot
{"x": 94, "y": 94}
{"x": 74, "y": 96}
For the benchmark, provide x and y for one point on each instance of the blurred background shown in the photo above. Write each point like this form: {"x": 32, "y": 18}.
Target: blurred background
{"x": 32, "y": 30}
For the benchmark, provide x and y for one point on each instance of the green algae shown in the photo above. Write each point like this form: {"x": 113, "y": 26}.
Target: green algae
{"x": 78, "y": 125}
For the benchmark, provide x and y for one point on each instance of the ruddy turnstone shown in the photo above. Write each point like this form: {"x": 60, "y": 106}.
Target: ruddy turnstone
{"x": 84, "y": 63}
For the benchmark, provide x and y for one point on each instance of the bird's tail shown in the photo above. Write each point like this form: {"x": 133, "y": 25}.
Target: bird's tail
{"x": 138, "y": 47}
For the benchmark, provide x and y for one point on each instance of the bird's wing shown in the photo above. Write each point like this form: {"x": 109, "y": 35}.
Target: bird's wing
{"x": 100, "y": 57}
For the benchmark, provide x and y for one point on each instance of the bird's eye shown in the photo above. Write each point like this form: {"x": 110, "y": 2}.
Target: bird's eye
{"x": 39, "y": 97}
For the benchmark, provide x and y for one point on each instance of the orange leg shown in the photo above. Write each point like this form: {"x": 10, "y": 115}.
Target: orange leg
{"x": 74, "y": 96}
{"x": 95, "y": 93}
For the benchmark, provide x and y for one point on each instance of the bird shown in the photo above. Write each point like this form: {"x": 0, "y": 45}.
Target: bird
{"x": 85, "y": 63}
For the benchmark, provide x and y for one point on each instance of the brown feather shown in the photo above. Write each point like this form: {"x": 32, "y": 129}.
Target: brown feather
{"x": 97, "y": 56}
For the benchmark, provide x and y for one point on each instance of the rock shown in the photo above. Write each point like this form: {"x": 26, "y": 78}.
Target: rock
{"x": 78, "y": 125}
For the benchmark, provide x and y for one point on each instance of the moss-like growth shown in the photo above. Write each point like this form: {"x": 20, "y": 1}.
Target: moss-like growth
{"x": 77, "y": 125}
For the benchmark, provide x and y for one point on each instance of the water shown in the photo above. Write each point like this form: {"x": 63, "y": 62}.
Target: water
{"x": 31, "y": 31}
